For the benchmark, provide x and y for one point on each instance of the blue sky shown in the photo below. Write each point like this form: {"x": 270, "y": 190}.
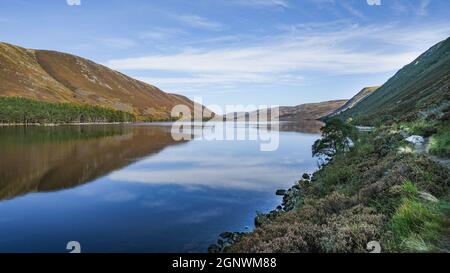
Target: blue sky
{"x": 264, "y": 52}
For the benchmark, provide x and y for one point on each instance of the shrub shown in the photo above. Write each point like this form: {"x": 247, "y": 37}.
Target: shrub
{"x": 332, "y": 224}
{"x": 336, "y": 136}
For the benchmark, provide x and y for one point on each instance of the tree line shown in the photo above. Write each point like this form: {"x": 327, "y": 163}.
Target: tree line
{"x": 26, "y": 111}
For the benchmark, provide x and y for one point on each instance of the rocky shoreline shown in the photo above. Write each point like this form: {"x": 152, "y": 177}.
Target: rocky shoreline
{"x": 292, "y": 198}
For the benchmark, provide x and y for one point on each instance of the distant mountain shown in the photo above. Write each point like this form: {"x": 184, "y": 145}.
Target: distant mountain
{"x": 310, "y": 111}
{"x": 421, "y": 88}
{"x": 355, "y": 100}
{"x": 58, "y": 77}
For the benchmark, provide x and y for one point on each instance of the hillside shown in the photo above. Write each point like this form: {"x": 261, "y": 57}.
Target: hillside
{"x": 52, "y": 76}
{"x": 355, "y": 100}
{"x": 310, "y": 111}
{"x": 421, "y": 88}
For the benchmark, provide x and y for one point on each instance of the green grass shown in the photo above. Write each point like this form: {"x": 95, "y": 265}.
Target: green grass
{"x": 416, "y": 224}
{"x": 410, "y": 190}
{"x": 17, "y": 110}
{"x": 420, "y": 127}
{"x": 440, "y": 144}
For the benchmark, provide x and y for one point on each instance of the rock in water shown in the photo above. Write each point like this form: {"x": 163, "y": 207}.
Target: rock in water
{"x": 306, "y": 176}
{"x": 281, "y": 192}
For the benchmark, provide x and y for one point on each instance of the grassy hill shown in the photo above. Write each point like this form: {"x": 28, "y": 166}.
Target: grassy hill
{"x": 420, "y": 89}
{"x": 57, "y": 77}
{"x": 355, "y": 100}
{"x": 381, "y": 188}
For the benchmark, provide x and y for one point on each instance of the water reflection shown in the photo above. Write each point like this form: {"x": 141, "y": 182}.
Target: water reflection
{"x": 48, "y": 159}
{"x": 146, "y": 192}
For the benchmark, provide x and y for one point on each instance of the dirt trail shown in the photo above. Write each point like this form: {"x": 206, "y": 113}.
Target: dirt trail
{"x": 423, "y": 149}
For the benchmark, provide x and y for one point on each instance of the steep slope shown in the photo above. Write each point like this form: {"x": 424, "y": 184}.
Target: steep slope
{"x": 309, "y": 111}
{"x": 355, "y": 100}
{"x": 58, "y": 77}
{"x": 420, "y": 88}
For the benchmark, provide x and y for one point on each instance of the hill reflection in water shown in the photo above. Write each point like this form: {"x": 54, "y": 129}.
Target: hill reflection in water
{"x": 42, "y": 159}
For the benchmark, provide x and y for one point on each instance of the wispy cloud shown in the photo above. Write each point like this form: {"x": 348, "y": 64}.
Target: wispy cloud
{"x": 117, "y": 42}
{"x": 287, "y": 57}
{"x": 197, "y": 21}
{"x": 422, "y": 8}
{"x": 351, "y": 9}
{"x": 161, "y": 33}
{"x": 263, "y": 3}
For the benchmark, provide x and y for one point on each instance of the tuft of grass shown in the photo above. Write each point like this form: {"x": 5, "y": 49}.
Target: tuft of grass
{"x": 415, "y": 225}
{"x": 409, "y": 190}
{"x": 420, "y": 127}
{"x": 440, "y": 144}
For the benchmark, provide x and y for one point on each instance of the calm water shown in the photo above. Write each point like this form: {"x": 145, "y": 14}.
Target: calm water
{"x": 134, "y": 189}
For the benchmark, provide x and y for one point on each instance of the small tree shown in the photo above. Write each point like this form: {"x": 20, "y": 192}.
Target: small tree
{"x": 336, "y": 138}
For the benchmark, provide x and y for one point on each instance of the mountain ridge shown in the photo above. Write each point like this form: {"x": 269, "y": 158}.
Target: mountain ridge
{"x": 302, "y": 112}
{"x": 58, "y": 77}
{"x": 361, "y": 95}
{"x": 421, "y": 88}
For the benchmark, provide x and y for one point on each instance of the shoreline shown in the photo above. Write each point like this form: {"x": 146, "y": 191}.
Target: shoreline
{"x": 61, "y": 124}
{"x": 290, "y": 201}
{"x": 362, "y": 195}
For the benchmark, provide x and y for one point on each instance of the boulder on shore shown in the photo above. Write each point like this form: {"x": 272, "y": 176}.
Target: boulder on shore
{"x": 416, "y": 140}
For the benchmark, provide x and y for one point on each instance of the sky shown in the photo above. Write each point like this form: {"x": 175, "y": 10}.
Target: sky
{"x": 260, "y": 52}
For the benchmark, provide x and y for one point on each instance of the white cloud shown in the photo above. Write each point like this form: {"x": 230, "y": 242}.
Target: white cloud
{"x": 196, "y": 21}
{"x": 285, "y": 58}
